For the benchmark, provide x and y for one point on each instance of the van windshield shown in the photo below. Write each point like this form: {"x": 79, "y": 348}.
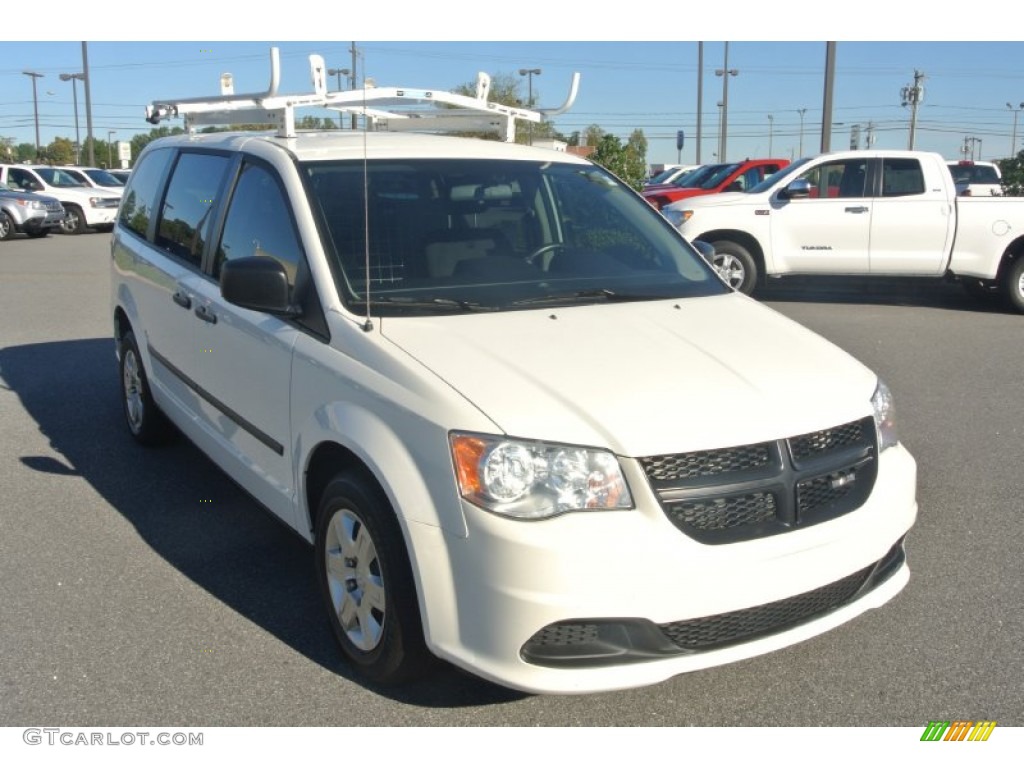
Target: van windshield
{"x": 449, "y": 236}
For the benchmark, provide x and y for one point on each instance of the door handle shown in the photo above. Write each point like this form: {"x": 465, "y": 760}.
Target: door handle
{"x": 182, "y": 300}
{"x": 204, "y": 314}
{"x": 857, "y": 209}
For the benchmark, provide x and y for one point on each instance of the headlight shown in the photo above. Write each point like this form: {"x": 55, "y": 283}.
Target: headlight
{"x": 677, "y": 216}
{"x": 885, "y": 416}
{"x": 96, "y": 202}
{"x": 36, "y": 205}
{"x": 533, "y": 480}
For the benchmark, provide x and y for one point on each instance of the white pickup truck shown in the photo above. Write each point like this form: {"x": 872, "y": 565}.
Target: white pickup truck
{"x": 873, "y": 212}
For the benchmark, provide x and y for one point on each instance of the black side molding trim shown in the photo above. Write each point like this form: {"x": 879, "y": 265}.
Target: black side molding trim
{"x": 253, "y": 430}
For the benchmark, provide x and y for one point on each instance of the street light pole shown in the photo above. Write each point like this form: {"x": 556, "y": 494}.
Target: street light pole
{"x": 339, "y": 73}
{"x": 801, "y": 113}
{"x": 110, "y": 135}
{"x": 771, "y": 121}
{"x": 529, "y": 73}
{"x": 35, "y": 104}
{"x": 1013, "y": 142}
{"x": 725, "y": 73}
{"x": 74, "y": 78}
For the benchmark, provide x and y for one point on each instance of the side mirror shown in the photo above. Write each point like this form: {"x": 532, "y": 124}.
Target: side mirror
{"x": 796, "y": 189}
{"x": 259, "y": 283}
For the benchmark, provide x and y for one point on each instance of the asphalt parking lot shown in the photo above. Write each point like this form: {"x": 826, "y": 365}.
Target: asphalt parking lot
{"x": 143, "y": 587}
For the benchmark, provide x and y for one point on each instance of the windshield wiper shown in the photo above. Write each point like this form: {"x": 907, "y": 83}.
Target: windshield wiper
{"x": 584, "y": 296}
{"x": 437, "y": 304}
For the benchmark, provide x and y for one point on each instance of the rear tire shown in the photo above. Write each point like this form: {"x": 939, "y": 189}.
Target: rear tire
{"x": 366, "y": 582}
{"x": 736, "y": 266}
{"x": 146, "y": 421}
{"x": 1013, "y": 284}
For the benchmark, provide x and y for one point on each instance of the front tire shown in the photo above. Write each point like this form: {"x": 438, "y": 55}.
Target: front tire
{"x": 1013, "y": 284}
{"x": 366, "y": 582}
{"x": 146, "y": 421}
{"x": 736, "y": 266}
{"x": 74, "y": 220}
{"x": 37, "y": 233}
{"x": 6, "y": 226}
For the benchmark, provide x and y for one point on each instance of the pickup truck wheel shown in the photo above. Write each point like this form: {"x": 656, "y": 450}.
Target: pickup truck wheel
{"x": 366, "y": 582}
{"x": 1014, "y": 284}
{"x": 146, "y": 421}
{"x": 6, "y": 226}
{"x": 74, "y": 220}
{"x": 736, "y": 266}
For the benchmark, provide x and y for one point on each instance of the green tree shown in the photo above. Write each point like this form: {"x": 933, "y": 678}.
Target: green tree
{"x": 1012, "y": 169}
{"x": 628, "y": 162}
{"x": 140, "y": 140}
{"x": 592, "y": 135}
{"x": 507, "y": 89}
{"x": 60, "y": 151}
{"x": 25, "y": 153}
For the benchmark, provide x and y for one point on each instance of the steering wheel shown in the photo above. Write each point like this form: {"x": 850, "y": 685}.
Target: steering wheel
{"x": 532, "y": 258}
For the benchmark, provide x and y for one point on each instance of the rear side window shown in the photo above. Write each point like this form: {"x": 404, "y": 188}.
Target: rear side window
{"x": 185, "y": 215}
{"x": 140, "y": 197}
{"x": 901, "y": 177}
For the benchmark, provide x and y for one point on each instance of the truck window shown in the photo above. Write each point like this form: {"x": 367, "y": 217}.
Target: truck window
{"x": 901, "y": 177}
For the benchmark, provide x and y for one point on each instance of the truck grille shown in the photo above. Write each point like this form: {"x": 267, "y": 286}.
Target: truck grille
{"x": 54, "y": 206}
{"x": 746, "y": 492}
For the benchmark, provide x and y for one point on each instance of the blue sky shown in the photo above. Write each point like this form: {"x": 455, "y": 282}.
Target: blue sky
{"x": 626, "y": 84}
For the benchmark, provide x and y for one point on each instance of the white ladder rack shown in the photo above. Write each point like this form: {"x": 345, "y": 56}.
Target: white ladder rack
{"x": 389, "y": 109}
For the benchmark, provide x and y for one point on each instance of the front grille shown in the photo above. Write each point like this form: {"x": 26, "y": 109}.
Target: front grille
{"x": 54, "y": 207}
{"x": 722, "y": 513}
{"x": 738, "y": 493}
{"x": 737, "y": 626}
{"x": 108, "y": 202}
{"x": 706, "y": 463}
{"x": 603, "y": 642}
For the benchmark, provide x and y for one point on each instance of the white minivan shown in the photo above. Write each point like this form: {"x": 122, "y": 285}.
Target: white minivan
{"x": 489, "y": 384}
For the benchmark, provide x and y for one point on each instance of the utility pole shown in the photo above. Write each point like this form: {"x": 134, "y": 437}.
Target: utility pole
{"x": 1013, "y": 141}
{"x": 771, "y": 121}
{"x": 354, "y": 80}
{"x": 801, "y": 113}
{"x": 826, "y": 104}
{"x": 700, "y": 97}
{"x": 528, "y": 74}
{"x": 35, "y": 105}
{"x": 88, "y": 106}
{"x": 725, "y": 73}
{"x": 912, "y": 95}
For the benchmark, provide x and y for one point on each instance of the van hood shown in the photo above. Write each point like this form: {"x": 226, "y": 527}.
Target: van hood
{"x": 642, "y": 378}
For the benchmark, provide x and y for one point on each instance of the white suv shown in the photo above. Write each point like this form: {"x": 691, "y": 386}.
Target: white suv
{"x": 84, "y": 206}
{"x": 481, "y": 379}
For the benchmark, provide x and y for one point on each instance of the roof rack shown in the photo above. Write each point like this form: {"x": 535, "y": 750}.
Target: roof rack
{"x": 389, "y": 109}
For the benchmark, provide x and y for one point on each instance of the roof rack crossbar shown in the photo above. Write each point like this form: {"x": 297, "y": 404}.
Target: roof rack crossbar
{"x": 418, "y": 108}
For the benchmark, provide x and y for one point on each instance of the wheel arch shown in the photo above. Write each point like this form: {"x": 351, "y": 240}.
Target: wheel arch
{"x": 744, "y": 239}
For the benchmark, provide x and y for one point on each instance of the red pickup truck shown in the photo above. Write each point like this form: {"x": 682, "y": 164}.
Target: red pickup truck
{"x": 719, "y": 177}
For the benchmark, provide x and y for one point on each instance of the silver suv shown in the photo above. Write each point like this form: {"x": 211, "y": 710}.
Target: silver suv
{"x": 33, "y": 214}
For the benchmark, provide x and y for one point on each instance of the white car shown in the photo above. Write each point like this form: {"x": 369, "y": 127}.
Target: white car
{"x": 482, "y": 393}
{"x": 95, "y": 177}
{"x": 84, "y": 206}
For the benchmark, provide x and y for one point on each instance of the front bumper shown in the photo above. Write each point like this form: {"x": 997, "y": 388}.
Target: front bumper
{"x": 514, "y": 583}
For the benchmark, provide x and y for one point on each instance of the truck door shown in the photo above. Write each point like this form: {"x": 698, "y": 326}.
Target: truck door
{"x": 912, "y": 221}
{"x": 829, "y": 231}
